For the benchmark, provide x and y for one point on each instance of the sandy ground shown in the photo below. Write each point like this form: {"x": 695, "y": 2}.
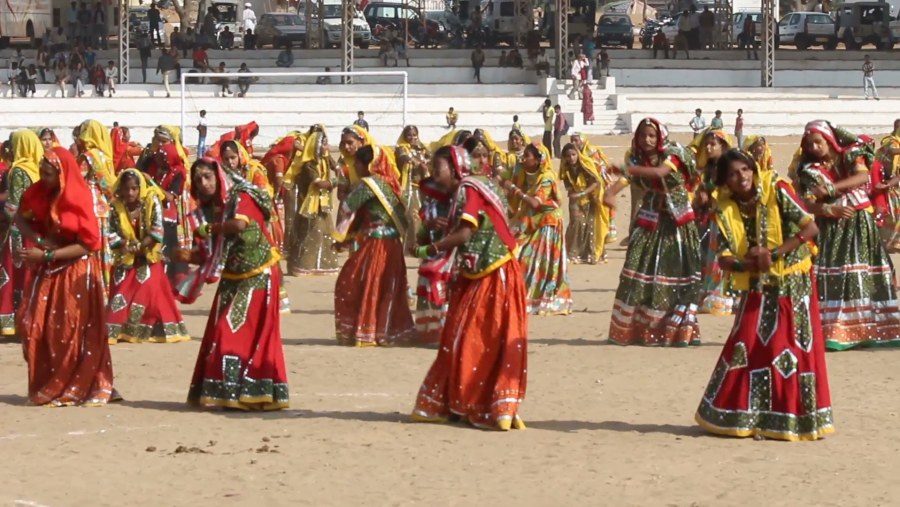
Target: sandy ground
{"x": 607, "y": 426}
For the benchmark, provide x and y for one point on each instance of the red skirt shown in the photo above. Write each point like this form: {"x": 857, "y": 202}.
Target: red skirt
{"x": 63, "y": 336}
{"x": 771, "y": 380}
{"x": 370, "y": 296}
{"x": 142, "y": 307}
{"x": 480, "y": 369}
{"x": 7, "y": 292}
{"x": 241, "y": 362}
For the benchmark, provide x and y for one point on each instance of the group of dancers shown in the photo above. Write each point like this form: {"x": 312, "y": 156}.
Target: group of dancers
{"x": 101, "y": 237}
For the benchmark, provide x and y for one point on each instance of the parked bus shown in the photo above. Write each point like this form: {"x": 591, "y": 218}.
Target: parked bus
{"x": 25, "y": 18}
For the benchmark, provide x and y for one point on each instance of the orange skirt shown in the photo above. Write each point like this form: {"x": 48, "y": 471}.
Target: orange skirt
{"x": 480, "y": 369}
{"x": 370, "y": 305}
{"x": 64, "y": 336}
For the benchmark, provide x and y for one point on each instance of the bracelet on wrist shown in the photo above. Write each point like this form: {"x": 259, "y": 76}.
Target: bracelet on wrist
{"x": 737, "y": 266}
{"x": 776, "y": 255}
{"x": 40, "y": 241}
{"x": 49, "y": 255}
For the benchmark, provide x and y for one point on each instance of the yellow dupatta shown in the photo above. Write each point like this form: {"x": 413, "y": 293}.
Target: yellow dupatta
{"x": 403, "y": 144}
{"x": 256, "y": 173}
{"x": 890, "y": 141}
{"x": 98, "y": 144}
{"x": 176, "y": 138}
{"x": 729, "y": 220}
{"x": 698, "y": 145}
{"x": 28, "y": 152}
{"x": 148, "y": 190}
{"x": 767, "y": 163}
{"x": 295, "y": 164}
{"x": 445, "y": 140}
{"x": 579, "y": 182}
{"x": 315, "y": 199}
{"x": 367, "y": 140}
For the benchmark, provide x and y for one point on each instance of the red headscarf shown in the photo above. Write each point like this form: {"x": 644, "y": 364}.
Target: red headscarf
{"x": 242, "y": 134}
{"x": 121, "y": 160}
{"x": 70, "y": 212}
{"x": 284, "y": 148}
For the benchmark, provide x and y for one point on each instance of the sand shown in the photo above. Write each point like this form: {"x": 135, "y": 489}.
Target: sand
{"x": 607, "y": 425}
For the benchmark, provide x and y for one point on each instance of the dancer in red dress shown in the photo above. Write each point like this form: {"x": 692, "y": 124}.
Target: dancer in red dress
{"x": 770, "y": 380}
{"x": 141, "y": 305}
{"x": 241, "y": 361}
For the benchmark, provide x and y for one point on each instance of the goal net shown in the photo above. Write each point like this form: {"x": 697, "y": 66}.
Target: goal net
{"x": 285, "y": 101}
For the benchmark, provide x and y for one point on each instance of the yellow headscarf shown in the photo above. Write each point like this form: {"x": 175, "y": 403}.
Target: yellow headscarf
{"x": 403, "y": 144}
{"x": 148, "y": 191}
{"x": 730, "y": 222}
{"x": 445, "y": 140}
{"x": 579, "y": 182}
{"x": 367, "y": 140}
{"x": 98, "y": 144}
{"x": 294, "y": 165}
{"x": 795, "y": 165}
{"x": 767, "y": 163}
{"x": 590, "y": 150}
{"x": 28, "y": 152}
{"x": 256, "y": 172}
{"x": 698, "y": 145}
{"x": 891, "y": 141}
{"x": 176, "y": 138}
{"x": 315, "y": 199}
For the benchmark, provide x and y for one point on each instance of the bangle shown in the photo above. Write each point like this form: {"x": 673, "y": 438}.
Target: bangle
{"x": 829, "y": 187}
{"x": 203, "y": 231}
{"x": 800, "y": 237}
{"x": 776, "y": 255}
{"x": 737, "y": 266}
{"x": 40, "y": 241}
{"x": 48, "y": 255}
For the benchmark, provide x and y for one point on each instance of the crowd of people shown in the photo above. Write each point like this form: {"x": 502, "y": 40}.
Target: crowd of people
{"x": 104, "y": 238}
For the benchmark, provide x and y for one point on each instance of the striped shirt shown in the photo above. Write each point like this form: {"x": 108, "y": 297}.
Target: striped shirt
{"x": 868, "y": 69}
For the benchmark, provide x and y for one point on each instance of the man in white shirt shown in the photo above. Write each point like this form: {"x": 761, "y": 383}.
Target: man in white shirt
{"x": 698, "y": 123}
{"x": 112, "y": 75}
{"x": 249, "y": 18}
{"x": 575, "y": 74}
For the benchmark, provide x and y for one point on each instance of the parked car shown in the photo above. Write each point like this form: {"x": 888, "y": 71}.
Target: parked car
{"x": 615, "y": 30}
{"x": 737, "y": 24}
{"x": 333, "y": 19}
{"x": 864, "y": 23}
{"x": 278, "y": 29}
{"x": 379, "y": 15}
{"x": 805, "y": 29}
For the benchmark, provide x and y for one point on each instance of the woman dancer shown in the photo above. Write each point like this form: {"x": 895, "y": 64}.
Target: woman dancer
{"x": 48, "y": 138}
{"x": 412, "y": 158}
{"x": 853, "y": 271}
{"x": 656, "y": 299}
{"x": 606, "y": 172}
{"x": 509, "y": 164}
{"x": 715, "y": 296}
{"x": 310, "y": 249}
{"x": 886, "y": 194}
{"x": 141, "y": 305}
{"x": 124, "y": 151}
{"x": 61, "y": 323}
{"x": 588, "y": 217}
{"x": 541, "y": 236}
{"x": 26, "y": 152}
{"x": 277, "y": 162}
{"x": 479, "y": 374}
{"x": 241, "y": 361}
{"x": 242, "y": 134}
{"x": 770, "y": 380}
{"x": 170, "y": 175}
{"x": 370, "y": 304}
{"x": 96, "y": 157}
{"x": 762, "y": 154}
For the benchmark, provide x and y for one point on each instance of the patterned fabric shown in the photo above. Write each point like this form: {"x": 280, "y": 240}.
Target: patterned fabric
{"x": 589, "y": 219}
{"x": 771, "y": 379}
{"x": 18, "y": 181}
{"x": 310, "y": 246}
{"x": 380, "y": 212}
{"x": 431, "y": 286}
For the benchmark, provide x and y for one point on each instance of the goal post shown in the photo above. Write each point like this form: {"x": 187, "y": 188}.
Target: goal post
{"x": 234, "y": 76}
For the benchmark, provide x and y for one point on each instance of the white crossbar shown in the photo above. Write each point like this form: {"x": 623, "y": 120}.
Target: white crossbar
{"x": 399, "y": 73}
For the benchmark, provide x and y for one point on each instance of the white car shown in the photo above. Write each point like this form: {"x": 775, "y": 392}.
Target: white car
{"x": 805, "y": 29}
{"x": 737, "y": 24}
{"x": 333, "y": 19}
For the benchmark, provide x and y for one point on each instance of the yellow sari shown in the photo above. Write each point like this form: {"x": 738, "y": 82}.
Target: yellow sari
{"x": 367, "y": 140}
{"x": 578, "y": 181}
{"x": 315, "y": 200}
{"x": 99, "y": 151}
{"x": 766, "y": 162}
{"x": 148, "y": 191}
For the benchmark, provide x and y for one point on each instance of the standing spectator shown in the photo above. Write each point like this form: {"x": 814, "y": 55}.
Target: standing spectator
{"x": 868, "y": 69}
{"x": 587, "y": 104}
{"x": 516, "y": 125}
{"x": 361, "y": 120}
{"x": 244, "y": 82}
{"x": 683, "y": 39}
{"x": 324, "y": 80}
{"x": 399, "y": 43}
{"x": 452, "y": 118}
{"x": 201, "y": 60}
{"x": 249, "y": 22}
{"x": 153, "y": 19}
{"x": 585, "y": 69}
{"x": 694, "y": 18}
{"x": 85, "y": 24}
{"x": 588, "y": 46}
{"x": 707, "y": 27}
{"x": 176, "y": 40}
{"x": 101, "y": 33}
{"x": 698, "y": 123}
{"x": 188, "y": 42}
{"x": 542, "y": 64}
{"x": 477, "y": 62}
{"x": 604, "y": 63}
{"x": 208, "y": 29}
{"x": 30, "y": 81}
{"x": 660, "y": 42}
{"x": 11, "y": 78}
{"x": 58, "y": 42}
{"x": 717, "y": 122}
{"x": 739, "y": 129}
{"x": 285, "y": 57}
{"x": 143, "y": 45}
{"x": 575, "y": 74}
{"x": 502, "y": 61}
{"x": 201, "y": 134}
{"x": 112, "y": 75}
{"x": 43, "y": 61}
{"x": 547, "y": 112}
{"x": 249, "y": 39}
{"x": 560, "y": 128}
{"x": 747, "y": 38}
{"x": 223, "y": 81}
{"x": 61, "y": 75}
{"x": 79, "y": 76}
{"x": 165, "y": 65}
{"x": 71, "y": 22}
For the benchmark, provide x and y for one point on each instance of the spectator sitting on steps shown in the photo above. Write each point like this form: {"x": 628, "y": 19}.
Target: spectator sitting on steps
{"x": 285, "y": 57}
{"x": 542, "y": 64}
{"x": 386, "y": 48}
{"x": 249, "y": 39}
{"x": 226, "y": 39}
{"x": 244, "y": 82}
{"x": 514, "y": 59}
